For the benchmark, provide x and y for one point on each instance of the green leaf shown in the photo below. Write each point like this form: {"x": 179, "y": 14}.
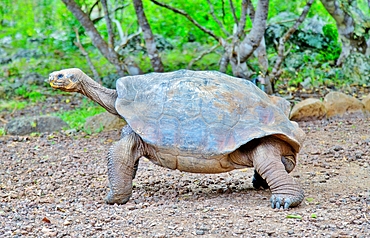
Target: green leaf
{"x": 294, "y": 216}
{"x": 309, "y": 199}
{"x": 313, "y": 215}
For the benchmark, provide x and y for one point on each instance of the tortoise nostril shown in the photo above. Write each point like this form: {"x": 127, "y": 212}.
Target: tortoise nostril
{"x": 60, "y": 76}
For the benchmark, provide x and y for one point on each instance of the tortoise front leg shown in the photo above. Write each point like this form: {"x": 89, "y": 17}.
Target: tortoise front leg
{"x": 267, "y": 162}
{"x": 122, "y": 165}
{"x": 259, "y": 182}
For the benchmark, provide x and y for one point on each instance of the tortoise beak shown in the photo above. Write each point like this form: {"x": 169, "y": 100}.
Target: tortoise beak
{"x": 51, "y": 80}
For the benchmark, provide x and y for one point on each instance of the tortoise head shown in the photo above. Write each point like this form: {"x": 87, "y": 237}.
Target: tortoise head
{"x": 68, "y": 80}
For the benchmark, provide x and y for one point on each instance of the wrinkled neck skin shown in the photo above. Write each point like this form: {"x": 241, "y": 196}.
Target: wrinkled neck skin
{"x": 93, "y": 90}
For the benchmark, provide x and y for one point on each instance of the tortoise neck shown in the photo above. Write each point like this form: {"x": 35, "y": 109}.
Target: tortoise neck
{"x": 105, "y": 97}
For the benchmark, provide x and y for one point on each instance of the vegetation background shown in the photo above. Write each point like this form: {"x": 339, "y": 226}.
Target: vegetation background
{"x": 41, "y": 36}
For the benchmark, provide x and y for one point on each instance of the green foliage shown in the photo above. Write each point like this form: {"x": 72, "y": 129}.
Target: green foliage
{"x": 357, "y": 68}
{"x": 330, "y": 31}
{"x": 311, "y": 69}
{"x": 180, "y": 29}
{"x": 359, "y": 11}
{"x": 47, "y": 28}
{"x": 77, "y": 118}
{"x": 179, "y": 59}
{"x": 30, "y": 92}
{"x": 10, "y": 105}
{"x": 35, "y": 21}
{"x": 2, "y": 131}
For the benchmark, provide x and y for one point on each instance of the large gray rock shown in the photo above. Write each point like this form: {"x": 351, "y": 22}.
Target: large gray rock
{"x": 104, "y": 121}
{"x": 308, "y": 109}
{"x": 28, "y": 125}
{"x": 339, "y": 104}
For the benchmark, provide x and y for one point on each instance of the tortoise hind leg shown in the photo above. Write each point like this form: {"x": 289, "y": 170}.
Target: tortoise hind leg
{"x": 268, "y": 163}
{"x": 258, "y": 181}
{"x": 136, "y": 166}
{"x": 122, "y": 165}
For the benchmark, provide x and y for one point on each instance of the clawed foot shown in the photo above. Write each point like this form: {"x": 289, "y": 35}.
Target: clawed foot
{"x": 285, "y": 201}
{"x": 116, "y": 199}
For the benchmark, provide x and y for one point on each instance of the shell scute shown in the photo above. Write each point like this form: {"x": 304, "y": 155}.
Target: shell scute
{"x": 200, "y": 112}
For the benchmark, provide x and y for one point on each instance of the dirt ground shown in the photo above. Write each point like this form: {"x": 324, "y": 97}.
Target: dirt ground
{"x": 53, "y": 185}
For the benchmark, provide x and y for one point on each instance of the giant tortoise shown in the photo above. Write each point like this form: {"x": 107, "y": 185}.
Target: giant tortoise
{"x": 195, "y": 121}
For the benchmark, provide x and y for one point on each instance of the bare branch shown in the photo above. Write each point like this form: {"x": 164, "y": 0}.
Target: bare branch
{"x": 92, "y": 7}
{"x": 243, "y": 18}
{"x": 119, "y": 29}
{"x": 281, "y": 48}
{"x": 223, "y": 10}
{"x": 109, "y": 24}
{"x": 151, "y": 48}
{"x": 113, "y": 11}
{"x": 185, "y": 14}
{"x": 238, "y": 34}
{"x": 3, "y": 120}
{"x": 253, "y": 39}
{"x": 251, "y": 11}
{"x": 124, "y": 38}
{"x": 233, "y": 11}
{"x": 84, "y": 53}
{"x": 224, "y": 62}
{"x": 202, "y": 55}
{"x": 216, "y": 19}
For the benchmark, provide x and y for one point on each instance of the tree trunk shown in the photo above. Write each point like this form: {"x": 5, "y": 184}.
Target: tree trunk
{"x": 351, "y": 42}
{"x": 261, "y": 55}
{"x": 253, "y": 39}
{"x": 250, "y": 43}
{"x": 148, "y": 36}
{"x": 97, "y": 40}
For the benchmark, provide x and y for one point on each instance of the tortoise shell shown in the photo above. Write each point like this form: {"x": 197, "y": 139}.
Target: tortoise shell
{"x": 201, "y": 112}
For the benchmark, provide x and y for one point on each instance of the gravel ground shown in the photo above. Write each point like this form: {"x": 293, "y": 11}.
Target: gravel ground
{"x": 53, "y": 185}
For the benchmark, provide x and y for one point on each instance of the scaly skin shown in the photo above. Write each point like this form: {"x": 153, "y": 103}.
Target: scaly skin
{"x": 267, "y": 162}
{"x": 74, "y": 80}
{"x": 123, "y": 157}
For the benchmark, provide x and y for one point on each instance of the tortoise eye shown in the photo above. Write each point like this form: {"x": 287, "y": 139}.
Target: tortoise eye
{"x": 60, "y": 76}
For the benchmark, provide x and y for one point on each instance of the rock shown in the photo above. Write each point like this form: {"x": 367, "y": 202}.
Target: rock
{"x": 308, "y": 109}
{"x": 27, "y": 125}
{"x": 281, "y": 103}
{"x": 104, "y": 121}
{"x": 366, "y": 102}
{"x": 340, "y": 104}
{"x": 33, "y": 78}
